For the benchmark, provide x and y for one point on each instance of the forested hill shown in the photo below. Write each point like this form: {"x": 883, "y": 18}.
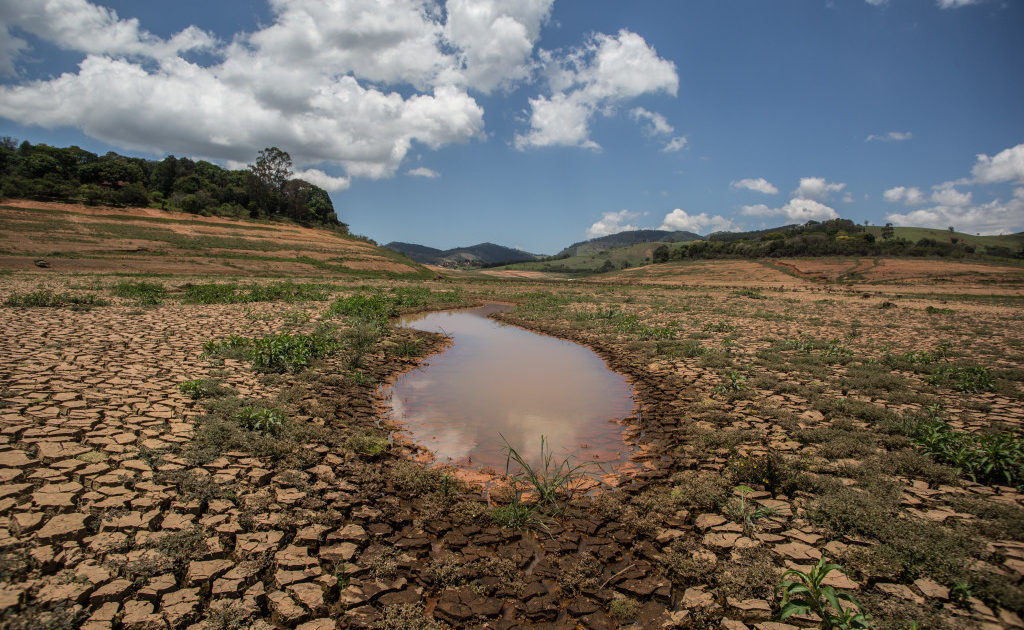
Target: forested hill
{"x": 619, "y": 239}
{"x": 480, "y": 255}
{"x": 266, "y": 190}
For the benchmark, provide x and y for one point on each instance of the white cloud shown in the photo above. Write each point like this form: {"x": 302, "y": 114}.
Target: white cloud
{"x": 958, "y": 209}
{"x": 911, "y": 196}
{"x": 604, "y": 72}
{"x": 84, "y": 27}
{"x": 698, "y": 223}
{"x": 994, "y": 217}
{"x": 1006, "y": 166}
{"x": 760, "y": 185}
{"x": 798, "y": 210}
{"x": 816, "y": 188}
{"x": 656, "y": 123}
{"x": 677, "y": 143}
{"x": 613, "y": 223}
{"x": 892, "y": 136}
{"x": 423, "y": 171}
{"x": 496, "y": 39}
{"x": 946, "y": 194}
{"x": 314, "y": 82}
{"x": 323, "y": 180}
{"x": 10, "y": 48}
{"x": 952, "y": 4}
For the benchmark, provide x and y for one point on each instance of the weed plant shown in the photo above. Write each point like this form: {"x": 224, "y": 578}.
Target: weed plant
{"x": 554, "y": 484}
{"x": 967, "y": 379}
{"x": 144, "y": 293}
{"x": 261, "y": 420}
{"x": 368, "y": 444}
{"x": 45, "y": 298}
{"x": 805, "y": 594}
{"x": 283, "y": 352}
{"x": 204, "y": 388}
{"x": 994, "y": 458}
{"x": 287, "y": 291}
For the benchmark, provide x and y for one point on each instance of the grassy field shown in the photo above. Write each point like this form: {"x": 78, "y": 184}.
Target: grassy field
{"x": 197, "y": 448}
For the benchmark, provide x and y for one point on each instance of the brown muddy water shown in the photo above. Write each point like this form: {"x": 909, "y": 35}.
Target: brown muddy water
{"x": 498, "y": 380}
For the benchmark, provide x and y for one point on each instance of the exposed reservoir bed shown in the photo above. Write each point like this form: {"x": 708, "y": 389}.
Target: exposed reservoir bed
{"x": 499, "y": 380}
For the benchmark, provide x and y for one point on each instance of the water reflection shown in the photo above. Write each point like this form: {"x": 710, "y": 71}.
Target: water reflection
{"x": 501, "y": 380}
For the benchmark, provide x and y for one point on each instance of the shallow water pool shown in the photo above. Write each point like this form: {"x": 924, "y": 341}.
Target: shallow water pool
{"x": 497, "y": 381}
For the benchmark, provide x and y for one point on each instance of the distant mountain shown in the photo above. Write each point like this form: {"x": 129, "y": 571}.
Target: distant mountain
{"x": 480, "y": 255}
{"x": 751, "y": 235}
{"x": 602, "y": 243}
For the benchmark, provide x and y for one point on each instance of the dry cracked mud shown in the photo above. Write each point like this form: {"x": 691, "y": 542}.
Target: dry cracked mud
{"x": 762, "y": 446}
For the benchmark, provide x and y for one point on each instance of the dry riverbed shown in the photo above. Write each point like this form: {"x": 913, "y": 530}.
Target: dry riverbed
{"x": 777, "y": 427}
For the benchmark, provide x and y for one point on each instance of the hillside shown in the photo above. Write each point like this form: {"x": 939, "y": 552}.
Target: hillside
{"x": 1012, "y": 241}
{"x": 480, "y": 255}
{"x": 72, "y": 237}
{"x": 266, "y": 190}
{"x": 620, "y": 239}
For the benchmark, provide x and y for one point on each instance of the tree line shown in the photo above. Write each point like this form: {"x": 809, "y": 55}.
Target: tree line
{"x": 265, "y": 190}
{"x": 837, "y": 237}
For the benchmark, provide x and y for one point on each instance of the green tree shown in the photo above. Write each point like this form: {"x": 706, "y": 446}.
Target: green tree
{"x": 888, "y": 232}
{"x": 661, "y": 254}
{"x": 273, "y": 168}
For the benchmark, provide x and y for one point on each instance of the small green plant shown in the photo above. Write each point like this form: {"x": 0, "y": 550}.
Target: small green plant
{"x": 203, "y": 388}
{"x": 234, "y": 294}
{"x": 232, "y": 347}
{"x": 992, "y": 458}
{"x": 260, "y": 420}
{"x": 144, "y": 293}
{"x": 289, "y": 353}
{"x": 732, "y": 381}
{"x": 935, "y": 310}
{"x": 45, "y": 298}
{"x": 753, "y": 294}
{"x": 961, "y": 593}
{"x": 551, "y": 482}
{"x": 967, "y": 379}
{"x": 516, "y": 515}
{"x": 368, "y": 444}
{"x": 719, "y": 327}
{"x": 744, "y": 513}
{"x": 623, "y": 609}
{"x": 805, "y": 594}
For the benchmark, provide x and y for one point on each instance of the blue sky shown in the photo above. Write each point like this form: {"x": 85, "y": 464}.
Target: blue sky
{"x": 537, "y": 123}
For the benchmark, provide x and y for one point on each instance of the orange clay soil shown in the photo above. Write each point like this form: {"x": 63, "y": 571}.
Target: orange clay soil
{"x": 73, "y": 237}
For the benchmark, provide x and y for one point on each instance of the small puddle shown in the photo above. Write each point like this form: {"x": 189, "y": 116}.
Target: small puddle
{"x": 498, "y": 380}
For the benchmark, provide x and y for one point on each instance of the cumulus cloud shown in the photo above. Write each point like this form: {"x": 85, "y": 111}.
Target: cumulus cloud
{"x": 911, "y": 196}
{"x": 957, "y": 208}
{"x": 760, "y": 185}
{"x": 699, "y": 223}
{"x": 994, "y": 217}
{"x": 946, "y": 194}
{"x": 423, "y": 171}
{"x": 677, "y": 143}
{"x": 613, "y": 223}
{"x": 1005, "y": 166}
{"x": 81, "y": 26}
{"x": 892, "y": 136}
{"x": 798, "y": 210}
{"x": 604, "y": 72}
{"x": 952, "y": 4}
{"x": 323, "y": 180}
{"x": 816, "y": 188}
{"x": 496, "y": 39}
{"x": 655, "y": 122}
{"x": 351, "y": 83}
